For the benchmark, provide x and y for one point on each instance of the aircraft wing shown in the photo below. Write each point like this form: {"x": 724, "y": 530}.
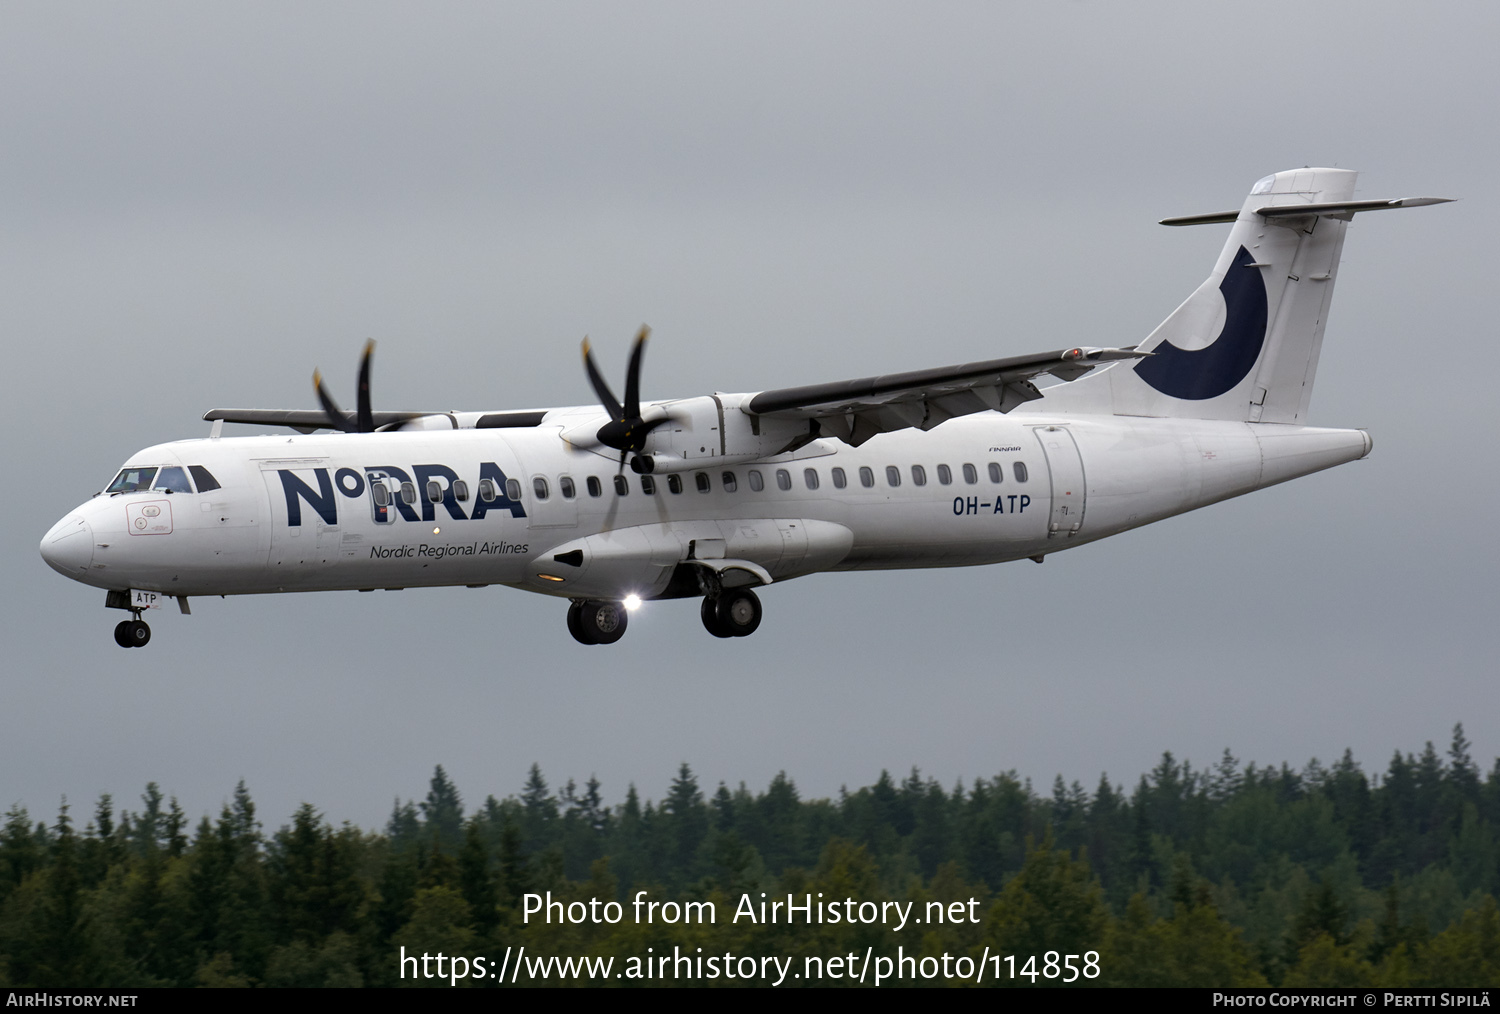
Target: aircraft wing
{"x": 856, "y": 410}
{"x": 305, "y": 421}
{"x": 297, "y": 419}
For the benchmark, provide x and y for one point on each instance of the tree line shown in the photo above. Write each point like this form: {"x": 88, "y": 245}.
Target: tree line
{"x": 1226, "y": 875}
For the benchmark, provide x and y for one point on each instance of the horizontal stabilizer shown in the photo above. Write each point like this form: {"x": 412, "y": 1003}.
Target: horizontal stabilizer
{"x": 1335, "y": 209}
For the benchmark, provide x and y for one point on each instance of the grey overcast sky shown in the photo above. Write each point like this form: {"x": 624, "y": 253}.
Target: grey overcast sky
{"x": 201, "y": 202}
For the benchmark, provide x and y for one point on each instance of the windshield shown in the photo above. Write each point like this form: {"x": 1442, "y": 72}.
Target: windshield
{"x": 131, "y": 479}
{"x": 172, "y": 480}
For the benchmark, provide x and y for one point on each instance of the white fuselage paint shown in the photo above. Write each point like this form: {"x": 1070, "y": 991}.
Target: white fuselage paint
{"x": 1088, "y": 477}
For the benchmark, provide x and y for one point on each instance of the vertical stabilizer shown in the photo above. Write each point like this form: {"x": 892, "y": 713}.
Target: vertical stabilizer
{"x": 1245, "y": 344}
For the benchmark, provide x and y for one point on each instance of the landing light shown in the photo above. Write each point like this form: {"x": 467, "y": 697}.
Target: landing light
{"x": 632, "y": 602}
{"x": 437, "y": 531}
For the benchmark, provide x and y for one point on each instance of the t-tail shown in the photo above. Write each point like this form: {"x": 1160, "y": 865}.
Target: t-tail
{"x": 1244, "y": 346}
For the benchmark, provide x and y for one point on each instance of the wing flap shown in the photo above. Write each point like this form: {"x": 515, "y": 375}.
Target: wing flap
{"x": 856, "y": 410}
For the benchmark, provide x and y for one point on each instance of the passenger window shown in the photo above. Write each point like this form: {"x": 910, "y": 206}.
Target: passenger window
{"x": 539, "y": 487}
{"x": 596, "y": 488}
{"x": 729, "y": 482}
{"x": 810, "y": 476}
{"x": 434, "y": 491}
{"x": 971, "y": 474}
{"x": 757, "y": 483}
{"x": 700, "y": 479}
{"x": 866, "y": 476}
{"x": 840, "y": 480}
{"x": 132, "y": 479}
{"x": 380, "y": 502}
{"x": 460, "y": 490}
{"x": 487, "y": 490}
{"x": 1020, "y": 469}
{"x": 172, "y": 480}
{"x": 566, "y": 488}
{"x": 892, "y": 475}
{"x": 674, "y": 483}
{"x": 995, "y": 474}
{"x": 513, "y": 489}
{"x": 203, "y": 479}
{"x": 918, "y": 475}
{"x": 648, "y": 485}
{"x": 945, "y": 475}
{"x": 622, "y": 488}
{"x": 783, "y": 479}
{"x": 408, "y": 493}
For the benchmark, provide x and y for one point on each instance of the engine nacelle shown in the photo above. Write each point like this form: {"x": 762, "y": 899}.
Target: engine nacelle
{"x": 707, "y": 431}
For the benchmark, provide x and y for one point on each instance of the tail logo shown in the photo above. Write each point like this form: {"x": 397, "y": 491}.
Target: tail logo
{"x": 1196, "y": 375}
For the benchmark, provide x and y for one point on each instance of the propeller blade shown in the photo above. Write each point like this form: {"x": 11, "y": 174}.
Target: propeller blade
{"x": 626, "y": 431}
{"x": 336, "y": 418}
{"x": 365, "y": 422}
{"x": 633, "y": 375}
{"x": 606, "y": 396}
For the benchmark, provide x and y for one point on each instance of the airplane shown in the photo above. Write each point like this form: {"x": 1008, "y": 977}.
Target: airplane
{"x": 728, "y": 493}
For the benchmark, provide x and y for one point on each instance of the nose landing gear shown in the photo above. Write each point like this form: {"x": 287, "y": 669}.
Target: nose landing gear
{"x": 132, "y": 633}
{"x": 593, "y": 622}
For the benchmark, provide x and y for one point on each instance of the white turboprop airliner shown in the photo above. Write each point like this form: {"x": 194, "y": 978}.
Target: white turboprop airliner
{"x": 725, "y": 493}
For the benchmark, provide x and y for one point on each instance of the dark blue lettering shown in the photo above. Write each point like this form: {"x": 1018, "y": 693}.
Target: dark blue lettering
{"x": 402, "y": 507}
{"x": 1025, "y": 502}
{"x": 296, "y": 491}
{"x": 491, "y": 471}
{"x": 972, "y": 507}
{"x": 425, "y": 472}
{"x": 349, "y": 482}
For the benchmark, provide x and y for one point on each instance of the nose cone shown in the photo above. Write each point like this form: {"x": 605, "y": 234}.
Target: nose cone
{"x": 69, "y": 547}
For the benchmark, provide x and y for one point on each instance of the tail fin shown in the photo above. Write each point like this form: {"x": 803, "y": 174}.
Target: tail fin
{"x": 1245, "y": 344}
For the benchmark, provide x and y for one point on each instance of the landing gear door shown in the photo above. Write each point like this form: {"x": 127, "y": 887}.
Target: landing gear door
{"x": 1065, "y": 467}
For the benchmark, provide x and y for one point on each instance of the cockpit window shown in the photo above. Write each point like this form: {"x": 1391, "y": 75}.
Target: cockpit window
{"x": 203, "y": 479}
{"x": 172, "y": 480}
{"x": 131, "y": 479}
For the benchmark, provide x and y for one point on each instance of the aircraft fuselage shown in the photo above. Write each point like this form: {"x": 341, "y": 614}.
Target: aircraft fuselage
{"x": 300, "y": 513}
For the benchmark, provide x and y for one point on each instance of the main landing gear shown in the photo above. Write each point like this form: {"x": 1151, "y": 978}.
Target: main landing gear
{"x": 593, "y": 622}
{"x": 732, "y": 613}
{"x": 735, "y": 613}
{"x": 132, "y": 633}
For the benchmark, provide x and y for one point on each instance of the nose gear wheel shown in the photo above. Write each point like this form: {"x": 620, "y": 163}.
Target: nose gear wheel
{"x": 132, "y": 633}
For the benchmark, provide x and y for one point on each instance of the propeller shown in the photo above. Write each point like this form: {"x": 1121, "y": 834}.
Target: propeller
{"x": 364, "y": 420}
{"x": 626, "y": 431}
